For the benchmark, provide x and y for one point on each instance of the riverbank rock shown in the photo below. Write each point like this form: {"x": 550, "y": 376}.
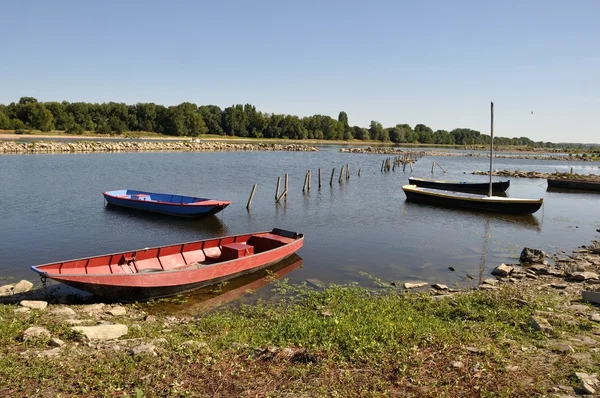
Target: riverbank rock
{"x": 6, "y": 290}
{"x": 64, "y": 312}
{"x": 502, "y": 270}
{"x": 540, "y": 324}
{"x": 414, "y": 285}
{"x": 531, "y": 256}
{"x": 36, "y": 332}
{"x": 102, "y": 332}
{"x": 583, "y": 276}
{"x": 34, "y": 304}
{"x": 143, "y": 349}
{"x": 22, "y": 287}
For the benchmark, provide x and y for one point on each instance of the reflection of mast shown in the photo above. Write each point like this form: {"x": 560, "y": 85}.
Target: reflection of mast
{"x": 484, "y": 253}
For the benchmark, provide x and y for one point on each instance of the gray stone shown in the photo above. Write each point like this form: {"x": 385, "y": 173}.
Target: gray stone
{"x": 532, "y": 255}
{"x": 591, "y": 297}
{"x": 531, "y": 276}
{"x": 414, "y": 285}
{"x": 49, "y": 353}
{"x": 586, "y": 388}
{"x": 56, "y": 342}
{"x": 439, "y": 286}
{"x": 117, "y": 311}
{"x": 562, "y": 347}
{"x": 64, "y": 312}
{"x": 595, "y": 317}
{"x": 36, "y": 332}
{"x": 583, "y": 276}
{"x": 193, "y": 344}
{"x": 150, "y": 318}
{"x": 559, "y": 285}
{"x": 34, "y": 304}
{"x": 579, "y": 308}
{"x": 92, "y": 308}
{"x": 539, "y": 323}
{"x": 23, "y": 310}
{"x": 22, "y": 287}
{"x": 491, "y": 281}
{"x": 6, "y": 290}
{"x": 143, "y": 349}
{"x": 502, "y": 270}
{"x": 102, "y": 332}
{"x": 488, "y": 287}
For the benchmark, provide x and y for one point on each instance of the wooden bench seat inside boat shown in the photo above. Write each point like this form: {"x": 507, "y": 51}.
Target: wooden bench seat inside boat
{"x": 266, "y": 242}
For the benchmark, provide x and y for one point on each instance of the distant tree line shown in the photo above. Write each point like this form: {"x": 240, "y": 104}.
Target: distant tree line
{"x": 188, "y": 119}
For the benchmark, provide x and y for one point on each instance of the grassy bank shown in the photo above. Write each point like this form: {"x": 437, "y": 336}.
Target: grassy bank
{"x": 340, "y": 341}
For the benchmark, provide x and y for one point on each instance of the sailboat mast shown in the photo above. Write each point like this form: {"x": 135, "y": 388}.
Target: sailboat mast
{"x": 491, "y": 143}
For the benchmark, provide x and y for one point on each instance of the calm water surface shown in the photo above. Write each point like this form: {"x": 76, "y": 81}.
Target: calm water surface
{"x": 51, "y": 209}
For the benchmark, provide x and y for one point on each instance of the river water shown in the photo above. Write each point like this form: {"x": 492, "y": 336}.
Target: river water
{"x": 52, "y": 209}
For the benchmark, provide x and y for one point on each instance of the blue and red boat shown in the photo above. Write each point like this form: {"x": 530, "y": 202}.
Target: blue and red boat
{"x": 165, "y": 203}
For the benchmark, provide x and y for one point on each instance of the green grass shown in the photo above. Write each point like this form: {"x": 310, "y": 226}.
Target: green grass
{"x": 341, "y": 341}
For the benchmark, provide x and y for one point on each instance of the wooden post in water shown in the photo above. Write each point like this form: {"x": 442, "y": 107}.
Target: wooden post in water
{"x": 359, "y": 172}
{"x": 410, "y": 163}
{"x": 277, "y": 190}
{"x": 251, "y": 197}
{"x": 382, "y": 164}
{"x": 341, "y": 174}
{"x": 432, "y": 164}
{"x": 282, "y": 194}
{"x": 319, "y": 178}
{"x": 309, "y": 178}
{"x": 286, "y": 186}
{"x": 331, "y": 179}
{"x": 305, "y": 182}
{"x": 347, "y": 171}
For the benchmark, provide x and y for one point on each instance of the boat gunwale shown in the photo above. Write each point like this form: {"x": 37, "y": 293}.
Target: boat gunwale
{"x": 36, "y": 268}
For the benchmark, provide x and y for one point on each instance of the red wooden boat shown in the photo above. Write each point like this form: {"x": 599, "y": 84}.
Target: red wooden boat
{"x": 169, "y": 270}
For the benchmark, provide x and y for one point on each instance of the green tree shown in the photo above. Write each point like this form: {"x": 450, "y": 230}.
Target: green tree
{"x": 212, "y": 116}
{"x": 5, "y": 123}
{"x": 375, "y": 130}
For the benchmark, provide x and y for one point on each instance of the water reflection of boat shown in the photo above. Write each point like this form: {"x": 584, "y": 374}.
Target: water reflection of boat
{"x": 528, "y": 221}
{"x": 211, "y": 297}
{"x": 573, "y": 186}
{"x": 212, "y": 225}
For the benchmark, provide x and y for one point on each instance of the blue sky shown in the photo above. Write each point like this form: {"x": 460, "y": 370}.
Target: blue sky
{"x": 434, "y": 62}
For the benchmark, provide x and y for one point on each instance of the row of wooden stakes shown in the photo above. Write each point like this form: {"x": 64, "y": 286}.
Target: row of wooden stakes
{"x": 344, "y": 174}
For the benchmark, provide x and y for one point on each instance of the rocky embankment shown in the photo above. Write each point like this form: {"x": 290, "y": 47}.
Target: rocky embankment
{"x": 515, "y": 173}
{"x": 383, "y": 151}
{"x": 516, "y": 155}
{"x": 539, "y": 174}
{"x": 13, "y": 147}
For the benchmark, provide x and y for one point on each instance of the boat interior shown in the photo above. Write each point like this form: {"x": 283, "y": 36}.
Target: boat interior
{"x": 155, "y": 197}
{"x": 176, "y": 257}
